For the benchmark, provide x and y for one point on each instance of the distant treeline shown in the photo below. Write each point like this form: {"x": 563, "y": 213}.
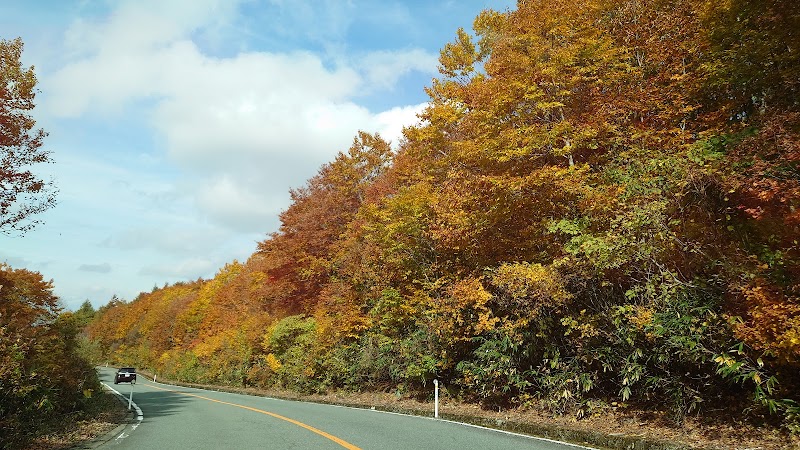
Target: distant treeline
{"x": 601, "y": 204}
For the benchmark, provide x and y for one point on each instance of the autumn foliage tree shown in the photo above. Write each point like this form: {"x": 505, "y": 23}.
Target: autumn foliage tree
{"x": 22, "y": 193}
{"x": 37, "y": 341}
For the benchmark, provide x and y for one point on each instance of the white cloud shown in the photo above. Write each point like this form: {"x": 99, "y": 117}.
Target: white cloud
{"x": 384, "y": 68}
{"x": 141, "y": 24}
{"x": 243, "y": 129}
{"x": 390, "y": 123}
{"x": 187, "y": 269}
{"x": 15, "y": 262}
{"x": 168, "y": 240}
{"x": 237, "y": 207}
{"x": 247, "y": 110}
{"x": 97, "y": 268}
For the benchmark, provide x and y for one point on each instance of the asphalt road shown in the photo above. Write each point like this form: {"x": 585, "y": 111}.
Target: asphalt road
{"x": 180, "y": 418}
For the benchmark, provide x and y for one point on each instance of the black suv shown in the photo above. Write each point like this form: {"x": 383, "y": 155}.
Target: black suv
{"x": 125, "y": 374}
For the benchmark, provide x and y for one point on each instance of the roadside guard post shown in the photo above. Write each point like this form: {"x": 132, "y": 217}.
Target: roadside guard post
{"x": 130, "y": 399}
{"x": 436, "y": 398}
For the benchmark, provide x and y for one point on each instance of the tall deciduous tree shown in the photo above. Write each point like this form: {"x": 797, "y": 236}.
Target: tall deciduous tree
{"x": 22, "y": 193}
{"x": 320, "y": 213}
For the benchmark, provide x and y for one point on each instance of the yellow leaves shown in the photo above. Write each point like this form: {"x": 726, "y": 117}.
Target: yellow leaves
{"x": 551, "y": 105}
{"x": 725, "y": 360}
{"x": 468, "y": 306}
{"x": 257, "y": 279}
{"x": 394, "y": 312}
{"x": 464, "y": 312}
{"x": 488, "y": 26}
{"x": 273, "y": 363}
{"x": 642, "y": 317}
{"x": 530, "y": 284}
{"x": 582, "y": 329}
{"x": 210, "y": 345}
{"x": 458, "y": 58}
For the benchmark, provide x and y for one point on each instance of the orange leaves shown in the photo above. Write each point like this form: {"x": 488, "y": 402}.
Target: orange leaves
{"x": 463, "y": 312}
{"x": 770, "y": 321}
{"x": 206, "y": 349}
{"x": 525, "y": 293}
{"x": 37, "y": 345}
{"x": 339, "y": 313}
{"x": 27, "y": 303}
{"x": 529, "y": 286}
{"x": 301, "y": 253}
{"x": 393, "y": 240}
{"x": 763, "y": 170}
{"x": 484, "y": 220}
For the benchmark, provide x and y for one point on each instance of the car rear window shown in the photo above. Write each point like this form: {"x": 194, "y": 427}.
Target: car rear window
{"x": 127, "y": 369}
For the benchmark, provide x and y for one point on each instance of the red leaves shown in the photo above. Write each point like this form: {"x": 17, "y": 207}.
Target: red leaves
{"x": 770, "y": 320}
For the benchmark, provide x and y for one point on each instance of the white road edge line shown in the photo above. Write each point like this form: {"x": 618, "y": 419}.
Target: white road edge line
{"x": 570, "y": 444}
{"x": 139, "y": 414}
{"x": 537, "y": 438}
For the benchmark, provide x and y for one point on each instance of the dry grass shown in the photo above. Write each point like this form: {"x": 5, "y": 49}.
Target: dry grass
{"x": 105, "y": 414}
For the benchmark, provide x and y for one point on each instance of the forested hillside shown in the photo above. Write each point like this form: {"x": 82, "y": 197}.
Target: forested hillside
{"x": 601, "y": 204}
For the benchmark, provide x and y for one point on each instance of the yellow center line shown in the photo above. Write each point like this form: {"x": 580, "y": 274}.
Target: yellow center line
{"x": 341, "y": 442}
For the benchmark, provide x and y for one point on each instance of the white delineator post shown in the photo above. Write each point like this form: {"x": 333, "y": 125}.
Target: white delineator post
{"x": 436, "y": 398}
{"x": 130, "y": 399}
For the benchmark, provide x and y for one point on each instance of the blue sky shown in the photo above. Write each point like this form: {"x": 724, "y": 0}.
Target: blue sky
{"x": 178, "y": 127}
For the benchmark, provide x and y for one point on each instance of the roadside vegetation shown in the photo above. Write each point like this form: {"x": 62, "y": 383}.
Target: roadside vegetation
{"x": 46, "y": 385}
{"x": 50, "y": 395}
{"x": 600, "y": 210}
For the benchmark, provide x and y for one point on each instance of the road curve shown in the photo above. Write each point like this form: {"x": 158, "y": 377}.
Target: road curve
{"x": 181, "y": 418}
